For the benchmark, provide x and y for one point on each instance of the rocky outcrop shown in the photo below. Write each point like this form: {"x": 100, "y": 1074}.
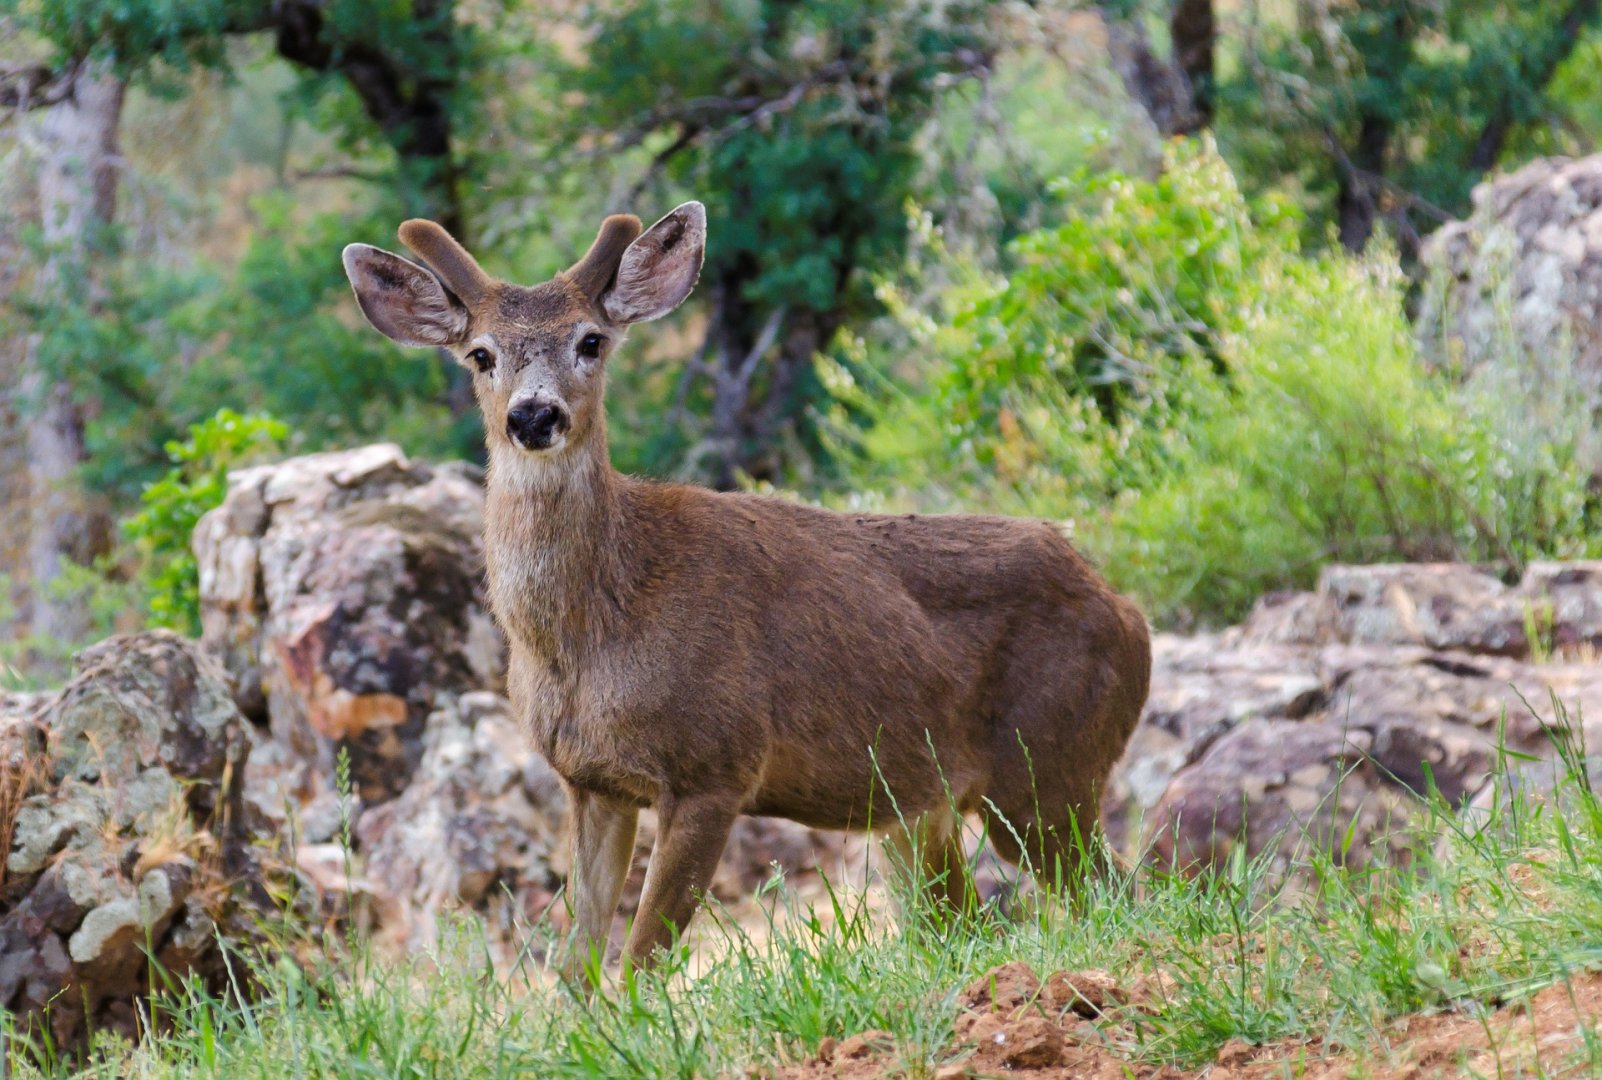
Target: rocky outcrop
{"x": 1522, "y": 276}
{"x": 344, "y": 594}
{"x": 1328, "y": 716}
{"x": 124, "y": 836}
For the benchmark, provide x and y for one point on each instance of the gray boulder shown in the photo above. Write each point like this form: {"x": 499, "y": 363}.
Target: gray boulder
{"x": 344, "y": 593}
{"x": 124, "y": 837}
{"x": 1387, "y": 685}
{"x": 1522, "y": 276}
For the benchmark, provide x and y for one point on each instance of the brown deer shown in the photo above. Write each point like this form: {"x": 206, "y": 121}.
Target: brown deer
{"x": 712, "y": 654}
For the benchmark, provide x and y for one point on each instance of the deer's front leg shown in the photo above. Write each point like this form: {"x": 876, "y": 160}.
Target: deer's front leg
{"x": 603, "y": 848}
{"x": 690, "y": 837}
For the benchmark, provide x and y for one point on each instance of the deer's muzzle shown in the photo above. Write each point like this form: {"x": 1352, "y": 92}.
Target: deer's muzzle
{"x": 536, "y": 425}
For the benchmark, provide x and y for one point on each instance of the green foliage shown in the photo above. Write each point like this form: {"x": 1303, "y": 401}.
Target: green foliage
{"x": 1421, "y": 96}
{"x": 171, "y": 506}
{"x": 1112, "y": 300}
{"x": 136, "y": 31}
{"x": 159, "y": 350}
{"x": 796, "y": 124}
{"x": 1216, "y": 414}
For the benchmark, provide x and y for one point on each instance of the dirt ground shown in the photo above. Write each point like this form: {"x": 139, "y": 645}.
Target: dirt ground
{"x": 1010, "y": 1023}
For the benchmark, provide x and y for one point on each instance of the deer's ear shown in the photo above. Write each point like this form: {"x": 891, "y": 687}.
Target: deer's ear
{"x": 402, "y": 300}
{"x": 660, "y": 268}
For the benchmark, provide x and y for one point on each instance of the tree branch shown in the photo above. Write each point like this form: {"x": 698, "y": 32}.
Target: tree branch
{"x": 1499, "y": 125}
{"x": 39, "y": 87}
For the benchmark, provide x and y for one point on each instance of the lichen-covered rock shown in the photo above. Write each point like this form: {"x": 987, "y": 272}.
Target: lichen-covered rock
{"x": 344, "y": 593}
{"x": 1437, "y": 605}
{"x": 1281, "y": 785}
{"x": 1400, "y": 682}
{"x": 127, "y": 837}
{"x": 478, "y": 827}
{"x": 1200, "y": 690}
{"x": 1528, "y": 259}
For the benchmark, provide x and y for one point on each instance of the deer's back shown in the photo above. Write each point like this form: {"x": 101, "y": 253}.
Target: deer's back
{"x": 795, "y": 653}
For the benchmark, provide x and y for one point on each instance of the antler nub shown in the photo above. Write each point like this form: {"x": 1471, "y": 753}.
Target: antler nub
{"x": 457, "y": 269}
{"x": 595, "y": 271}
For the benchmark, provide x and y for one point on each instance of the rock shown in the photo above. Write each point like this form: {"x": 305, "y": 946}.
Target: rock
{"x": 1563, "y": 601}
{"x": 1089, "y": 993}
{"x": 1446, "y": 606}
{"x": 1235, "y": 1053}
{"x": 1433, "y": 719}
{"x": 1277, "y": 785}
{"x": 1002, "y": 989}
{"x": 1390, "y": 681}
{"x": 1032, "y": 1043}
{"x": 128, "y": 835}
{"x": 1200, "y": 690}
{"x": 866, "y": 1045}
{"x": 344, "y": 593}
{"x": 479, "y": 826}
{"x": 1523, "y": 275}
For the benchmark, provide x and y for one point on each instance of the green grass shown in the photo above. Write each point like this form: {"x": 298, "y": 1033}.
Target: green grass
{"x": 1490, "y": 908}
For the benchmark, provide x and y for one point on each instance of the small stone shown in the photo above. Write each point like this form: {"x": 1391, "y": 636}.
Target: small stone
{"x": 1154, "y": 990}
{"x": 865, "y": 1045}
{"x": 1236, "y": 1052}
{"x": 1003, "y": 988}
{"x": 980, "y": 1027}
{"x": 1089, "y": 993}
{"x": 1034, "y": 1043}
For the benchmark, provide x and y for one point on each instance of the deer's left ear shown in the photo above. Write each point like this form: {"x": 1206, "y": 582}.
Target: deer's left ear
{"x": 660, "y": 268}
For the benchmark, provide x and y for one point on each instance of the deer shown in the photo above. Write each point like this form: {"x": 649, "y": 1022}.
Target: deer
{"x": 711, "y": 654}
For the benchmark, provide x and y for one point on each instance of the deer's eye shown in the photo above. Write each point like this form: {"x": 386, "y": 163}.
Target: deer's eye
{"x": 589, "y": 346}
{"x": 482, "y": 359}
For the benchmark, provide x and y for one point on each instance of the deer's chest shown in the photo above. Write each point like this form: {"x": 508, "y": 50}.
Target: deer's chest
{"x": 587, "y": 724}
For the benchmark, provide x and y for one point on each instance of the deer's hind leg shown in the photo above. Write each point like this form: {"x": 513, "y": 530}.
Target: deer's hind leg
{"x": 926, "y": 855}
{"x": 1052, "y": 758}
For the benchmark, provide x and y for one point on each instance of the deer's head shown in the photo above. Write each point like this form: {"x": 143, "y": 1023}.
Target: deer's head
{"x": 537, "y": 353}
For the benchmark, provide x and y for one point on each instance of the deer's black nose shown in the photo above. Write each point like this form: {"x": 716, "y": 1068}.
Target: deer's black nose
{"x": 534, "y": 425}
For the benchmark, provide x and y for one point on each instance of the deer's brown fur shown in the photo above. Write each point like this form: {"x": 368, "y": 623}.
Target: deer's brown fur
{"x": 712, "y": 654}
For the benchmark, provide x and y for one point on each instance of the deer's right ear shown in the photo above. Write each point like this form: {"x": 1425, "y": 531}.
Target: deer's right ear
{"x": 403, "y": 301}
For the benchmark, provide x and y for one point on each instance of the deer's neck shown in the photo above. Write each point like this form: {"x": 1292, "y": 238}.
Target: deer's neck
{"x": 552, "y": 528}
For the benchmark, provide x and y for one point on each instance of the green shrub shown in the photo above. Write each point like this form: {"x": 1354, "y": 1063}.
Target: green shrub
{"x": 171, "y": 506}
{"x": 1216, "y": 414}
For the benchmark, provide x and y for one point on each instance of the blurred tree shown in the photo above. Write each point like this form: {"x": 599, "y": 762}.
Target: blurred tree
{"x": 1393, "y": 109}
{"x": 795, "y": 121}
{"x": 1176, "y": 91}
{"x": 1379, "y": 109}
{"x": 403, "y": 64}
{"x": 76, "y": 113}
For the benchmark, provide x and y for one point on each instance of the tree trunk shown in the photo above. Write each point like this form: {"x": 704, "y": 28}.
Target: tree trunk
{"x": 1359, "y": 176}
{"x": 78, "y": 173}
{"x": 1177, "y": 94}
{"x": 1194, "y": 32}
{"x": 733, "y": 342}
{"x": 750, "y": 415}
